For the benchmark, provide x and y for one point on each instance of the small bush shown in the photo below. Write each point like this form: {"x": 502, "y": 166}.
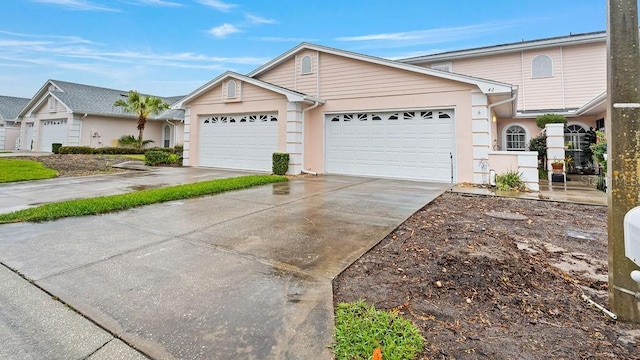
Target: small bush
{"x": 545, "y": 119}
{"x": 155, "y": 157}
{"x": 510, "y": 181}
{"x": 360, "y": 329}
{"x": 75, "y": 150}
{"x": 118, "y": 151}
{"x": 132, "y": 141}
{"x": 55, "y": 148}
{"x": 178, "y": 149}
{"x": 280, "y": 163}
{"x": 539, "y": 144}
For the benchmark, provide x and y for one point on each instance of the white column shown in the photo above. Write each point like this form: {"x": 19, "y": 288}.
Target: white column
{"x": 185, "y": 138}
{"x": 555, "y": 146}
{"x": 294, "y": 137}
{"x": 74, "y": 127}
{"x": 481, "y": 137}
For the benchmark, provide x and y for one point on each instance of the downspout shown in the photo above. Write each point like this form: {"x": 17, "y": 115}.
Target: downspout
{"x": 491, "y": 106}
{"x": 304, "y": 171}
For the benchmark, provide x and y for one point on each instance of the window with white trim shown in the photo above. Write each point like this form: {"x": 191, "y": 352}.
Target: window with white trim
{"x": 541, "y": 67}
{"x": 443, "y": 66}
{"x": 306, "y": 65}
{"x": 515, "y": 138}
{"x": 231, "y": 89}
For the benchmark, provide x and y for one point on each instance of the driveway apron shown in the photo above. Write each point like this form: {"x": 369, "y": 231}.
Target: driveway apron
{"x": 240, "y": 275}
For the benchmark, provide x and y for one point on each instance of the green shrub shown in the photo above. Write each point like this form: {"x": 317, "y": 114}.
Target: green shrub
{"x": 510, "y": 181}
{"x": 132, "y": 141}
{"x": 178, "y": 149}
{"x": 280, "y": 163}
{"x": 155, "y": 157}
{"x": 599, "y": 150}
{"x": 361, "y": 328}
{"x": 119, "y": 151}
{"x": 545, "y": 119}
{"x": 55, "y": 148}
{"x": 539, "y": 144}
{"x": 75, "y": 150}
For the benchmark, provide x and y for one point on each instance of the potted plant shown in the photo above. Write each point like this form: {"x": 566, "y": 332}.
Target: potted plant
{"x": 558, "y": 166}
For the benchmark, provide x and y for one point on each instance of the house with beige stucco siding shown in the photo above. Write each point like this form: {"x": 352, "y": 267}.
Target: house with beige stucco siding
{"x": 339, "y": 112}
{"x": 562, "y": 75}
{"x": 83, "y": 115}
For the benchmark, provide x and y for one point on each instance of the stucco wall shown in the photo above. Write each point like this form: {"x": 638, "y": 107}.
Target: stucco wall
{"x": 254, "y": 100}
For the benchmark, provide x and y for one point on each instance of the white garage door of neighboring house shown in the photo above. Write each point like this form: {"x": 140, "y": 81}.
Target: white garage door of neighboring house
{"x": 52, "y": 131}
{"x": 244, "y": 142}
{"x": 402, "y": 144}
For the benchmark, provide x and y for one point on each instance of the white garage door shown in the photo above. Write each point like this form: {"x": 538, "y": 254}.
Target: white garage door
{"x": 402, "y": 144}
{"x": 52, "y": 131}
{"x": 244, "y": 142}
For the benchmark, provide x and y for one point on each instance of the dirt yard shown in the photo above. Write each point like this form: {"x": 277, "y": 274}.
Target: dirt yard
{"x": 497, "y": 278}
{"x": 80, "y": 165}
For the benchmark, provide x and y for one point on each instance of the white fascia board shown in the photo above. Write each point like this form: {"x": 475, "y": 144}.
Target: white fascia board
{"x": 487, "y": 86}
{"x": 43, "y": 99}
{"x": 500, "y": 49}
{"x": 36, "y": 99}
{"x": 291, "y": 95}
{"x": 597, "y": 101}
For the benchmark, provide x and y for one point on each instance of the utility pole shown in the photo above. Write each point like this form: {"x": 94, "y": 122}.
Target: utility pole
{"x": 623, "y": 131}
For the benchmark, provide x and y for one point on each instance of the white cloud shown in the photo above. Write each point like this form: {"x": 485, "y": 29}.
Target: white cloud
{"x": 223, "y": 30}
{"x": 254, "y": 19}
{"x": 218, "y": 5}
{"x": 158, "y": 3}
{"x": 430, "y": 36}
{"x": 83, "y": 5}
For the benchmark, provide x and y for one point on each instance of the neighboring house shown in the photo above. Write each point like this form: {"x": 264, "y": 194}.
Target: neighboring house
{"x": 83, "y": 115}
{"x": 10, "y": 107}
{"x": 340, "y": 112}
{"x": 562, "y": 75}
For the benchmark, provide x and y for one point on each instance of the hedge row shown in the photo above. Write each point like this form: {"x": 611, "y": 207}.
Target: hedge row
{"x": 113, "y": 150}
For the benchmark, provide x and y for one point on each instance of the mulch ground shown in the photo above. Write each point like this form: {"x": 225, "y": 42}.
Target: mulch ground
{"x": 497, "y": 278}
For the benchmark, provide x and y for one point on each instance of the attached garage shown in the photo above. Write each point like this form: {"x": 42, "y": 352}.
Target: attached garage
{"x": 401, "y": 144}
{"x": 244, "y": 142}
{"x": 52, "y": 131}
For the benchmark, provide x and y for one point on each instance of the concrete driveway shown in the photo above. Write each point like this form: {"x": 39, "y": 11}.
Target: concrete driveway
{"x": 241, "y": 275}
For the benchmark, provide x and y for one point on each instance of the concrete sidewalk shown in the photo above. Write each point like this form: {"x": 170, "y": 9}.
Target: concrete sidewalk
{"x": 240, "y": 275}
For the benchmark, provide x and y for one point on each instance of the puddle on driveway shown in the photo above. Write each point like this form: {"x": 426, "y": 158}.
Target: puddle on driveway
{"x": 146, "y": 187}
{"x": 281, "y": 188}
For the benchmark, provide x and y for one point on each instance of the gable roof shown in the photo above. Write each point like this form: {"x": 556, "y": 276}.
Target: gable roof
{"x": 11, "y": 106}
{"x": 487, "y": 86}
{"x": 87, "y": 99}
{"x": 293, "y": 96}
{"x": 571, "y": 39}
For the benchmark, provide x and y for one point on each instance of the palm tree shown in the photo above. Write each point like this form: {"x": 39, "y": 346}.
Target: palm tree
{"x": 142, "y": 107}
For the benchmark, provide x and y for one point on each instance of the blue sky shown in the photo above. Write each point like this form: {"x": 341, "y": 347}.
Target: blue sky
{"x": 170, "y": 47}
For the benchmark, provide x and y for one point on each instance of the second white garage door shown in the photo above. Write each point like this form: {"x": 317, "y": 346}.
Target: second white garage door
{"x": 244, "y": 142}
{"x": 52, "y": 131}
{"x": 403, "y": 144}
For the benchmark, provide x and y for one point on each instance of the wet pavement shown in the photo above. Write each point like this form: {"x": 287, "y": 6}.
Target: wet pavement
{"x": 581, "y": 189}
{"x": 21, "y": 195}
{"x": 240, "y": 275}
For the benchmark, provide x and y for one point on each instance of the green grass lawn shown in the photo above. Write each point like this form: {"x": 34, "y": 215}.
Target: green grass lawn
{"x": 360, "y": 329}
{"x": 22, "y": 170}
{"x": 112, "y": 203}
{"x": 139, "y": 157}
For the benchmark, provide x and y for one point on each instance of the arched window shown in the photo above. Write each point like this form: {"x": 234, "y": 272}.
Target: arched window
{"x": 306, "y": 65}
{"x": 231, "y": 89}
{"x": 515, "y": 138}
{"x": 541, "y": 67}
{"x": 166, "y": 136}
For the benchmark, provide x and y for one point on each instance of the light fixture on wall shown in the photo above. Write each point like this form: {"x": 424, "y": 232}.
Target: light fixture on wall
{"x": 494, "y": 119}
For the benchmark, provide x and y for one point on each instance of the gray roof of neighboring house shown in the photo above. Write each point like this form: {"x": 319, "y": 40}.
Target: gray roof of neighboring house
{"x": 99, "y": 101}
{"x": 11, "y": 106}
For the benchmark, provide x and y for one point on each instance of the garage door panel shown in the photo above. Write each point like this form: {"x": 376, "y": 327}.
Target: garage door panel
{"x": 228, "y": 142}
{"x": 51, "y": 132}
{"x": 409, "y": 144}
